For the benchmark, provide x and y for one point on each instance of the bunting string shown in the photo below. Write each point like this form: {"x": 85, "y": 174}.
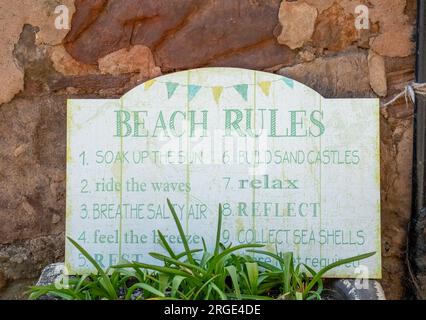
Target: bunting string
{"x": 217, "y": 91}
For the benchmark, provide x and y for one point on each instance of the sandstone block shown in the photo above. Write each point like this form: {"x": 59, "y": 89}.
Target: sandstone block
{"x": 298, "y": 22}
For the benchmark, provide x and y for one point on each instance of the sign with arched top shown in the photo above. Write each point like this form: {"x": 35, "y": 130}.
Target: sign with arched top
{"x": 294, "y": 171}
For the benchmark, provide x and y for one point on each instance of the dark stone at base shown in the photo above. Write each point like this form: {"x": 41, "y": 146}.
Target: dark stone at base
{"x": 50, "y": 274}
{"x": 349, "y": 289}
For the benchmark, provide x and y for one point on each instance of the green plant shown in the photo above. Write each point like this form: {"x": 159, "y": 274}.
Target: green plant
{"x": 293, "y": 281}
{"x": 104, "y": 285}
{"x": 197, "y": 274}
{"x": 192, "y": 278}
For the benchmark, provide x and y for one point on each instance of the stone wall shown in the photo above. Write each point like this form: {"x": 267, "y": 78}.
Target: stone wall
{"x": 114, "y": 45}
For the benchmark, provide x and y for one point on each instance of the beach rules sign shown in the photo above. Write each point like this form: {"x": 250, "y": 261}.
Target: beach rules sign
{"x": 293, "y": 171}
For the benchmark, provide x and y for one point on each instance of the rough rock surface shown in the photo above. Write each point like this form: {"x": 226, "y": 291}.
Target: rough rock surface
{"x": 335, "y": 29}
{"x": 32, "y": 156}
{"x": 394, "y": 44}
{"x": 138, "y": 59}
{"x": 99, "y": 57}
{"x": 377, "y": 73}
{"x": 67, "y": 65}
{"x": 13, "y": 16}
{"x": 297, "y": 20}
{"x": 220, "y": 30}
{"x": 50, "y": 274}
{"x": 349, "y": 289}
{"x": 23, "y": 260}
{"x": 334, "y": 77}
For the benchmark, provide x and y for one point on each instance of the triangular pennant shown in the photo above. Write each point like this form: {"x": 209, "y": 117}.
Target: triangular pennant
{"x": 242, "y": 90}
{"x": 149, "y": 84}
{"x": 217, "y": 92}
{"x": 288, "y": 82}
{"x": 171, "y": 88}
{"x": 265, "y": 86}
{"x": 192, "y": 91}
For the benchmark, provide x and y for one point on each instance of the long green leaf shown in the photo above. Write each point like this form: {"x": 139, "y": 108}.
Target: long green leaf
{"x": 87, "y": 256}
{"x": 332, "y": 266}
{"x": 287, "y": 266}
{"x": 253, "y": 275}
{"x": 222, "y": 294}
{"x": 219, "y": 231}
{"x": 189, "y": 266}
{"x": 155, "y": 268}
{"x": 166, "y": 244}
{"x": 181, "y": 232}
{"x": 234, "y": 277}
{"x": 176, "y": 282}
{"x": 215, "y": 261}
{"x": 204, "y": 285}
{"x": 183, "y": 254}
{"x": 80, "y": 282}
{"x": 320, "y": 283}
{"x": 270, "y": 254}
{"x": 105, "y": 280}
{"x": 145, "y": 287}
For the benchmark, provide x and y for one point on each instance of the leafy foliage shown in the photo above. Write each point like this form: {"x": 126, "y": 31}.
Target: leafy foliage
{"x": 197, "y": 274}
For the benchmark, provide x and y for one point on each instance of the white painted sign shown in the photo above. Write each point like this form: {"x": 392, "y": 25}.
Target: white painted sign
{"x": 294, "y": 171}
